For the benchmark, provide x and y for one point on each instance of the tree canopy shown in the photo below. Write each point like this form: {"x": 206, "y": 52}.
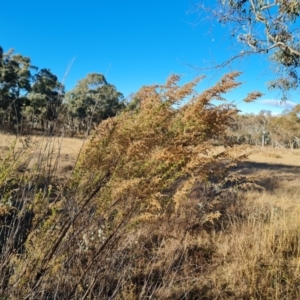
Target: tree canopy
{"x": 35, "y": 99}
{"x": 15, "y": 78}
{"x": 93, "y": 100}
{"x": 264, "y": 27}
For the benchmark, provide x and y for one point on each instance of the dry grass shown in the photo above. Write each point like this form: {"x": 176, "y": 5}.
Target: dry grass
{"x": 148, "y": 212}
{"x": 66, "y": 146}
{"x": 276, "y": 156}
{"x": 260, "y": 254}
{"x": 40, "y": 148}
{"x": 256, "y": 257}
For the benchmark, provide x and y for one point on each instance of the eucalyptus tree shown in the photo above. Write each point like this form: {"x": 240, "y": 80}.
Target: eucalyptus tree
{"x": 45, "y": 99}
{"x": 287, "y": 128}
{"x": 91, "y": 101}
{"x": 15, "y": 84}
{"x": 269, "y": 27}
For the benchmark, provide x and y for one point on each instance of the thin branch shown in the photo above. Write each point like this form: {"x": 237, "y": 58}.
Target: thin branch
{"x": 227, "y": 62}
{"x": 268, "y": 6}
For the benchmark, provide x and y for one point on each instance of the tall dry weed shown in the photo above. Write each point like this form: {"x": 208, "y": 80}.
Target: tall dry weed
{"x": 153, "y": 156}
{"x": 137, "y": 218}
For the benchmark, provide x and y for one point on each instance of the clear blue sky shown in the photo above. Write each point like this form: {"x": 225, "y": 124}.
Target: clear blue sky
{"x": 132, "y": 42}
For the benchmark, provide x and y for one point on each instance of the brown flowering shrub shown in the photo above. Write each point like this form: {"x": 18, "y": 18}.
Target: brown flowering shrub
{"x": 135, "y": 219}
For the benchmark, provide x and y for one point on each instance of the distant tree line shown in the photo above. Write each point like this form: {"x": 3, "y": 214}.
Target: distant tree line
{"x": 265, "y": 129}
{"x": 33, "y": 99}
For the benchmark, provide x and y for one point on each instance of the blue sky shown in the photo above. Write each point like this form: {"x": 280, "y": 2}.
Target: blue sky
{"x": 133, "y": 43}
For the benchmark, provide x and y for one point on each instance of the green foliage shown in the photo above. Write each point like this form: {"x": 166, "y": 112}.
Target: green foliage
{"x": 91, "y": 101}
{"x": 37, "y": 100}
{"x": 24, "y": 95}
{"x": 45, "y": 98}
{"x": 265, "y": 27}
{"x": 15, "y": 79}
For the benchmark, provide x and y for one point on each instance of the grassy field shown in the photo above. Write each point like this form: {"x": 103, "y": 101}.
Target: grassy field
{"x": 256, "y": 256}
{"x": 280, "y": 176}
{"x": 65, "y": 150}
{"x": 282, "y": 165}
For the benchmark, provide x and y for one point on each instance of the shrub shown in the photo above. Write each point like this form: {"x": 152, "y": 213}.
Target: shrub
{"x": 150, "y": 183}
